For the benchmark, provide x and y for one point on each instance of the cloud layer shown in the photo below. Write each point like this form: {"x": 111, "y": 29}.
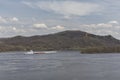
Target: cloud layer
{"x": 58, "y": 27}
{"x": 109, "y": 28}
{"x": 66, "y": 8}
{"x": 37, "y": 17}
{"x": 40, "y": 26}
{"x": 11, "y": 26}
{"x": 8, "y": 19}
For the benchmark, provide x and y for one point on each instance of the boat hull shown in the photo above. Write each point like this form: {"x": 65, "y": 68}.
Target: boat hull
{"x": 40, "y": 52}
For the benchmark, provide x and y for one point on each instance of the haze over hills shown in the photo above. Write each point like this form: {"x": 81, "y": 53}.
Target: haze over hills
{"x": 66, "y": 40}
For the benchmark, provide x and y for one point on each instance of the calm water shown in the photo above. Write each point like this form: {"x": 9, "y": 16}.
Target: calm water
{"x": 67, "y": 65}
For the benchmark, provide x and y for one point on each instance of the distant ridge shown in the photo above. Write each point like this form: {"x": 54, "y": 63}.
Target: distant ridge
{"x": 66, "y": 40}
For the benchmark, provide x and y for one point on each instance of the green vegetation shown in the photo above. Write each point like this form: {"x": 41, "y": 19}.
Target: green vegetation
{"x": 90, "y": 50}
{"x": 66, "y": 40}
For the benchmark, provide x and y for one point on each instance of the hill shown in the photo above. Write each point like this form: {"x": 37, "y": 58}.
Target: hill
{"x": 66, "y": 40}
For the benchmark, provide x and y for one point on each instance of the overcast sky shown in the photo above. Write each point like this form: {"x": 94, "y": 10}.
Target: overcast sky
{"x": 38, "y": 17}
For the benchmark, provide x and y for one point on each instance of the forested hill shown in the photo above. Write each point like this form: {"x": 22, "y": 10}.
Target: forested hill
{"x": 66, "y": 40}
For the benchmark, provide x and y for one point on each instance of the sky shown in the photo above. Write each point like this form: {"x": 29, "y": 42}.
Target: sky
{"x": 40, "y": 17}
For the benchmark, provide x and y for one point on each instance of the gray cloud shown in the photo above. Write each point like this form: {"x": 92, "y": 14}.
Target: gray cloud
{"x": 8, "y": 19}
{"x": 34, "y": 17}
{"x": 109, "y": 28}
{"x": 66, "y": 8}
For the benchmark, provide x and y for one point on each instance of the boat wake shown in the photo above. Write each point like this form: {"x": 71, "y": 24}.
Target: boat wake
{"x": 40, "y": 52}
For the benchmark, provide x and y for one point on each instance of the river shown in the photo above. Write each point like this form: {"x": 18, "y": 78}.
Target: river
{"x": 63, "y": 65}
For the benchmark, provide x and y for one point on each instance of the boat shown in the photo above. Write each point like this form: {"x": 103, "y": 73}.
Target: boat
{"x": 49, "y": 51}
{"x": 30, "y": 52}
{"x": 39, "y": 52}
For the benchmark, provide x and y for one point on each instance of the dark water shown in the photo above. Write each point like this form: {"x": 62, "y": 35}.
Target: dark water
{"x": 67, "y": 65}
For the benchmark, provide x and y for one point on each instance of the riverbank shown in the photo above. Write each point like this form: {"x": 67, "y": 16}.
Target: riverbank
{"x": 90, "y": 50}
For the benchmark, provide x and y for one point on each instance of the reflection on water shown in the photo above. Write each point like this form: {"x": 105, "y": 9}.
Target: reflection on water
{"x": 66, "y": 65}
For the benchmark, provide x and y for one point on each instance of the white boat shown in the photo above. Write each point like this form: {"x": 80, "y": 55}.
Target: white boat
{"x": 49, "y": 51}
{"x": 39, "y": 52}
{"x": 30, "y": 52}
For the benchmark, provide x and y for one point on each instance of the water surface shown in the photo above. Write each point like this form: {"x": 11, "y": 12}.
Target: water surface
{"x": 63, "y": 65}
